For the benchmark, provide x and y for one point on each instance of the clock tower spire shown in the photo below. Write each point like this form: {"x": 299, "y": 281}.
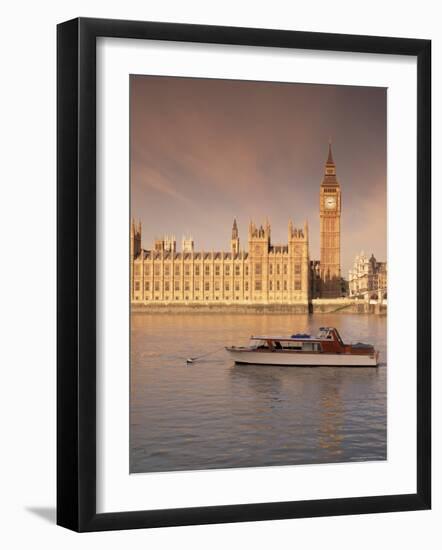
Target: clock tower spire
{"x": 330, "y": 230}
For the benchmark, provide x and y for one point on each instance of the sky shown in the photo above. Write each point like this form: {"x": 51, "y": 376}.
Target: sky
{"x": 206, "y": 151}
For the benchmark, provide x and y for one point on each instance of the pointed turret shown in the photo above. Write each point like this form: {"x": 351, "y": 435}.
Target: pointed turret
{"x": 234, "y": 230}
{"x": 330, "y": 156}
{"x": 234, "y": 242}
{"x": 135, "y": 239}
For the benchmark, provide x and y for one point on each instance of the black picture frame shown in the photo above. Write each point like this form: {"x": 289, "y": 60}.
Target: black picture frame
{"x": 76, "y": 274}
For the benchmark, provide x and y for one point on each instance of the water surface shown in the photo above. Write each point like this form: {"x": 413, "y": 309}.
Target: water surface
{"x": 215, "y": 414}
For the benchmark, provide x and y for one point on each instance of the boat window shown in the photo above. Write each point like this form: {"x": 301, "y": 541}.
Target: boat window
{"x": 277, "y": 345}
{"x": 292, "y": 345}
{"x": 310, "y": 346}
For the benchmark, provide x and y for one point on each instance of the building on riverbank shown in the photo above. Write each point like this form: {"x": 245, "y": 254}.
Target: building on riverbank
{"x": 260, "y": 273}
{"x": 368, "y": 278}
{"x": 265, "y": 273}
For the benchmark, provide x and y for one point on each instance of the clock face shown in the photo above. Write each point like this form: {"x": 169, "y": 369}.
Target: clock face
{"x": 330, "y": 202}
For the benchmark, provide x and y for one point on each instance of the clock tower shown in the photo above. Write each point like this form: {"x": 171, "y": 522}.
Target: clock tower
{"x": 330, "y": 231}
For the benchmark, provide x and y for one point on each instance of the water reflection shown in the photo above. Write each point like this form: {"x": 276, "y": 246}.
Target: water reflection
{"x": 330, "y": 437}
{"x": 215, "y": 414}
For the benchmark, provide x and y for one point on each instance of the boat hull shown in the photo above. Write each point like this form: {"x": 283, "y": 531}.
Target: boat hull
{"x": 304, "y": 359}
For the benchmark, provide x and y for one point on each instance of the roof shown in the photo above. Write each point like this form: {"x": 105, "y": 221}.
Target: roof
{"x": 167, "y": 255}
{"x": 330, "y": 156}
{"x": 285, "y": 339}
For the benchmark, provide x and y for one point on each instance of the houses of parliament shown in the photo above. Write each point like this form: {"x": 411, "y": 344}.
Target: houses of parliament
{"x": 263, "y": 273}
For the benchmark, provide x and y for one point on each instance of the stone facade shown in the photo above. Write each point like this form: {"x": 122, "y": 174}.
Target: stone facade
{"x": 264, "y": 274}
{"x": 330, "y": 231}
{"x": 367, "y": 278}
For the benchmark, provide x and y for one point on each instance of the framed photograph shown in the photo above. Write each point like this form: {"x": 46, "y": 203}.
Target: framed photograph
{"x": 243, "y": 274}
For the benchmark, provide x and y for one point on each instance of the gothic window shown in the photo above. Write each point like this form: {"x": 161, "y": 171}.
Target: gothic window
{"x": 246, "y": 287}
{"x": 277, "y": 285}
{"x": 277, "y": 269}
{"x": 187, "y": 269}
{"x": 227, "y": 269}
{"x": 285, "y": 269}
{"x": 271, "y": 269}
{"x": 187, "y": 286}
{"x": 246, "y": 270}
{"x": 207, "y": 286}
{"x": 197, "y": 270}
{"x": 207, "y": 270}
{"x": 217, "y": 286}
{"x": 227, "y": 286}
{"x": 236, "y": 286}
{"x": 157, "y": 286}
{"x": 237, "y": 270}
{"x": 258, "y": 285}
{"x": 285, "y": 285}
{"x": 217, "y": 270}
{"x": 147, "y": 286}
{"x": 138, "y": 270}
{"x": 297, "y": 285}
{"x": 177, "y": 285}
{"x": 167, "y": 270}
{"x": 177, "y": 270}
{"x": 258, "y": 269}
{"x": 157, "y": 271}
{"x": 167, "y": 286}
{"x": 146, "y": 270}
{"x": 297, "y": 269}
{"x": 271, "y": 285}
{"x": 197, "y": 285}
{"x": 137, "y": 285}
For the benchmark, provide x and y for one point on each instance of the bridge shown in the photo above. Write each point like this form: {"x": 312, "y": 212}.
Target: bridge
{"x": 378, "y": 296}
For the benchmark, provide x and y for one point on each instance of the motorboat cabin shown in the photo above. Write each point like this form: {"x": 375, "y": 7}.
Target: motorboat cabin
{"x": 325, "y": 349}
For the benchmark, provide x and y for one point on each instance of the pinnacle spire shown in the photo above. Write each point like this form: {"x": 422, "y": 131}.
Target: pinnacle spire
{"x": 234, "y": 229}
{"x": 330, "y": 168}
{"x": 330, "y": 156}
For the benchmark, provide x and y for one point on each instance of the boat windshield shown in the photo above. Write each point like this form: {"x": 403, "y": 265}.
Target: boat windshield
{"x": 338, "y": 336}
{"x": 259, "y": 344}
{"x": 325, "y": 333}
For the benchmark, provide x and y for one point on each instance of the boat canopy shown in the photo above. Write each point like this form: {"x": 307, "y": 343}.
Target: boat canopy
{"x": 284, "y": 338}
{"x": 324, "y": 333}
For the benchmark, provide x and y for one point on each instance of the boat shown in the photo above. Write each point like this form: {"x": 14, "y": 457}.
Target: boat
{"x": 303, "y": 350}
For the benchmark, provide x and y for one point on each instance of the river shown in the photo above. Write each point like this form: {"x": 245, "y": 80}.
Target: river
{"x": 215, "y": 414}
